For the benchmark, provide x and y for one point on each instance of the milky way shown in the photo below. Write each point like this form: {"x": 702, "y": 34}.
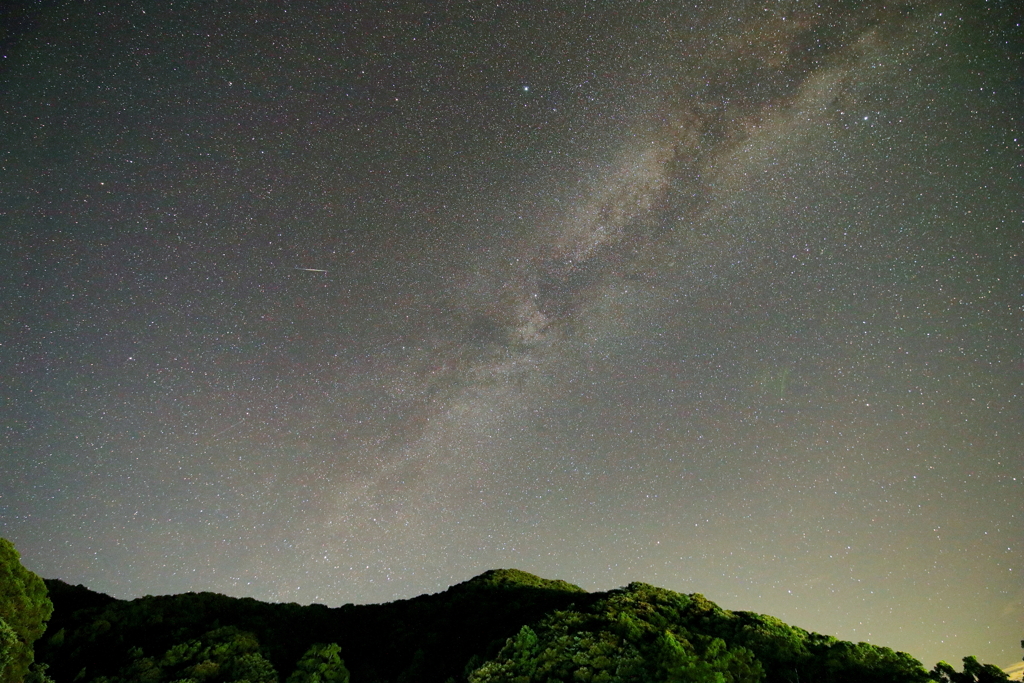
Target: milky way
{"x": 335, "y": 305}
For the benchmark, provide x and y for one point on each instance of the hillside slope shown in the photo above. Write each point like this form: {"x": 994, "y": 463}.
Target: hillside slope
{"x": 504, "y": 625}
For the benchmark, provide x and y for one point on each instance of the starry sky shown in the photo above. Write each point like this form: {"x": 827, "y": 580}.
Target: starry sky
{"x": 349, "y": 302}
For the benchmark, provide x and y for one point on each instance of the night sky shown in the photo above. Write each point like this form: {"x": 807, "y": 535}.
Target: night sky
{"x": 349, "y": 302}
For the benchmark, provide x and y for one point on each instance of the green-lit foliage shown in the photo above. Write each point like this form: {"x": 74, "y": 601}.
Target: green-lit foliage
{"x": 504, "y": 625}
{"x": 8, "y": 644}
{"x": 222, "y": 655}
{"x": 632, "y": 635}
{"x": 974, "y": 672}
{"x": 37, "y": 674}
{"x": 427, "y": 638}
{"x": 25, "y": 608}
{"x": 255, "y": 668}
{"x": 321, "y": 664}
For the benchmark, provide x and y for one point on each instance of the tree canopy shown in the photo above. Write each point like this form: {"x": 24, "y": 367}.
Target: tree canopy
{"x": 974, "y": 672}
{"x": 502, "y": 626}
{"x": 24, "y": 611}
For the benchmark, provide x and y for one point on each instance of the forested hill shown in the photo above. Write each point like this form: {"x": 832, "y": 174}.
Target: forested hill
{"x": 427, "y": 638}
{"x": 504, "y": 625}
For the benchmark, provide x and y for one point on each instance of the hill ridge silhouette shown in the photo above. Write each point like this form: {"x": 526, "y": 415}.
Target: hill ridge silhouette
{"x": 501, "y": 625}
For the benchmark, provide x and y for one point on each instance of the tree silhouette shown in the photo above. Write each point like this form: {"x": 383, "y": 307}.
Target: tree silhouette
{"x": 974, "y": 672}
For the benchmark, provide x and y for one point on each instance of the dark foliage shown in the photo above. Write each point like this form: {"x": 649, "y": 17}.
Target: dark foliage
{"x": 974, "y": 672}
{"x": 504, "y": 625}
{"x": 428, "y": 638}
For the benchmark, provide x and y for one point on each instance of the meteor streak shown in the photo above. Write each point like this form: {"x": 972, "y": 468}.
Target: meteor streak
{"x": 312, "y": 270}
